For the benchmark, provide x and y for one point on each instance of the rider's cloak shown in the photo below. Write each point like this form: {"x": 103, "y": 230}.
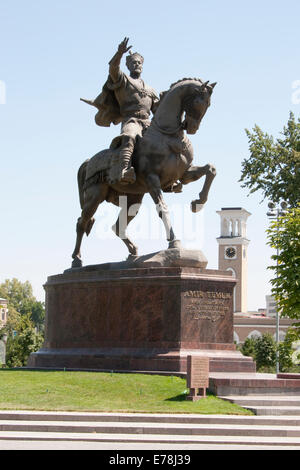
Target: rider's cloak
{"x": 107, "y": 105}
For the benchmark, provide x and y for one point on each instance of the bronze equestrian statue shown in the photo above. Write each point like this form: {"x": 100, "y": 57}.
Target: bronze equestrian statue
{"x": 149, "y": 156}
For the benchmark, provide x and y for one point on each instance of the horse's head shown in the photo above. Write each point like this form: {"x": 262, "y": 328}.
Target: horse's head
{"x": 189, "y": 97}
{"x": 195, "y": 105}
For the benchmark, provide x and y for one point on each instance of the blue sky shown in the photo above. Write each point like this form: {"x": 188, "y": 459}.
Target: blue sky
{"x": 54, "y": 52}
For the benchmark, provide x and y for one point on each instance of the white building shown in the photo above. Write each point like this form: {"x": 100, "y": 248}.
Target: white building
{"x": 233, "y": 251}
{"x": 3, "y": 312}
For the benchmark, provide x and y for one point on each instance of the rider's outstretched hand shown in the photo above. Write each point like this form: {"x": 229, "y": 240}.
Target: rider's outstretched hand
{"x": 123, "y": 46}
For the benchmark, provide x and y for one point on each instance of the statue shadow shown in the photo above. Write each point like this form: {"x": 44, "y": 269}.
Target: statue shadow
{"x": 180, "y": 397}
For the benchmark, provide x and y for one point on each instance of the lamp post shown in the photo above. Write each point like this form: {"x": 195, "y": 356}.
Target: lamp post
{"x": 274, "y": 213}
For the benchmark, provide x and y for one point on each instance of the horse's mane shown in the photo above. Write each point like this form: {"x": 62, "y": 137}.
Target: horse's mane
{"x": 163, "y": 93}
{"x": 186, "y": 79}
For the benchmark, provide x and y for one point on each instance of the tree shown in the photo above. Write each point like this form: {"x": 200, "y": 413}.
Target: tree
{"x": 262, "y": 349}
{"x": 284, "y": 236}
{"x": 265, "y": 351}
{"x": 285, "y": 356}
{"x": 17, "y": 293}
{"x": 37, "y": 314}
{"x": 248, "y": 347}
{"x": 21, "y": 299}
{"x": 23, "y": 343}
{"x": 274, "y": 166}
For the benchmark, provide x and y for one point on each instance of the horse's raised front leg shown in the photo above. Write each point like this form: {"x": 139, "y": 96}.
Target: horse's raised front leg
{"x": 130, "y": 205}
{"x": 93, "y": 196}
{"x": 156, "y": 193}
{"x": 193, "y": 174}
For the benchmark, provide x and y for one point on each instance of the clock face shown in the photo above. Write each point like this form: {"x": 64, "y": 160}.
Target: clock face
{"x": 230, "y": 252}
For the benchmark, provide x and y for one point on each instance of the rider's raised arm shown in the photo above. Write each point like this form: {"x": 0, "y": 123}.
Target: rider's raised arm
{"x": 114, "y": 67}
{"x": 114, "y": 64}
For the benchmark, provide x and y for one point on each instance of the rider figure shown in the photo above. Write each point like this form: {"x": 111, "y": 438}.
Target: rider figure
{"x": 136, "y": 101}
{"x": 127, "y": 100}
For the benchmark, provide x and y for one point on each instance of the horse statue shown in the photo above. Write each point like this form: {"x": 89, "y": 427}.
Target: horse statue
{"x": 162, "y": 160}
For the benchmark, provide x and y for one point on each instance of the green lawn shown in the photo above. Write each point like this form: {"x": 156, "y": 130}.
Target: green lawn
{"x": 106, "y": 392}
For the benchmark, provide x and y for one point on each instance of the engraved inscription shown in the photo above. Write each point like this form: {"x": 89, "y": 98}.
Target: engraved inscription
{"x": 210, "y": 295}
{"x": 197, "y": 372}
{"x": 208, "y": 305}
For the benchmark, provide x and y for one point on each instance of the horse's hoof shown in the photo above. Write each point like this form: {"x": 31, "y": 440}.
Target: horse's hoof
{"x": 132, "y": 257}
{"x": 196, "y": 206}
{"x": 76, "y": 263}
{"x": 174, "y": 244}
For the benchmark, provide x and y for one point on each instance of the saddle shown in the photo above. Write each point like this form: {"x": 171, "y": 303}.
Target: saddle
{"x": 105, "y": 165}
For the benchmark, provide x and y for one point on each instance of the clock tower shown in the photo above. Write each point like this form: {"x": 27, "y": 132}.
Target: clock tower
{"x": 233, "y": 246}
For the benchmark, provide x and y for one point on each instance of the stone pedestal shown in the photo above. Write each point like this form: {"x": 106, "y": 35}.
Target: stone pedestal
{"x": 115, "y": 317}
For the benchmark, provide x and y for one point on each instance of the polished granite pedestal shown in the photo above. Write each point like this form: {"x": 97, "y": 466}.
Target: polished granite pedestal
{"x": 139, "y": 316}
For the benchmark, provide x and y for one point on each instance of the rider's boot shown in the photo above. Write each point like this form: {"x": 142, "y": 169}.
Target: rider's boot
{"x": 127, "y": 171}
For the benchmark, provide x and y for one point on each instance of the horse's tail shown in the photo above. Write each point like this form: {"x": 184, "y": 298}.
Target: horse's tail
{"x": 81, "y": 180}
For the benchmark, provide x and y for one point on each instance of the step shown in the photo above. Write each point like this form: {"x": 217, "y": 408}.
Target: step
{"x": 69, "y": 417}
{"x": 288, "y": 375}
{"x": 243, "y": 364}
{"x": 154, "y": 448}
{"x": 139, "y": 430}
{"x": 151, "y": 428}
{"x": 152, "y": 439}
{"x": 222, "y": 384}
{"x": 274, "y": 411}
{"x": 262, "y": 400}
{"x": 262, "y": 405}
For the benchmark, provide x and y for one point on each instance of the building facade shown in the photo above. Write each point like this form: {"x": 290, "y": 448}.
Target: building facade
{"x": 250, "y": 325}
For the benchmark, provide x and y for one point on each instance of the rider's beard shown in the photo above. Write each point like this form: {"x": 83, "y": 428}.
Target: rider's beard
{"x": 136, "y": 72}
